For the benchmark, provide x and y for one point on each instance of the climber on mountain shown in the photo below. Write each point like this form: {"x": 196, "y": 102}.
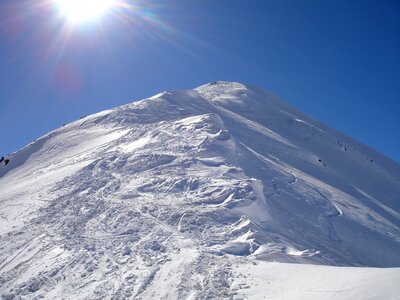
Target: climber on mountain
{"x": 1, "y": 159}
{"x": 6, "y": 161}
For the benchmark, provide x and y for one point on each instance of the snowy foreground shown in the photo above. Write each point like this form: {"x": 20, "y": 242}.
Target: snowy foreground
{"x": 224, "y": 191}
{"x": 295, "y": 281}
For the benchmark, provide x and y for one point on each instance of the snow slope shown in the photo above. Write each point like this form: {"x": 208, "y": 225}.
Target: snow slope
{"x": 271, "y": 281}
{"x": 176, "y": 196}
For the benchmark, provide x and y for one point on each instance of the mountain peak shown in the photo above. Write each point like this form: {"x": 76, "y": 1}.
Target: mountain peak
{"x": 194, "y": 182}
{"x": 224, "y": 91}
{"x": 223, "y": 85}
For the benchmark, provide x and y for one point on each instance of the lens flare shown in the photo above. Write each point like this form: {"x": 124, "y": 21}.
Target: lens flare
{"x": 78, "y": 11}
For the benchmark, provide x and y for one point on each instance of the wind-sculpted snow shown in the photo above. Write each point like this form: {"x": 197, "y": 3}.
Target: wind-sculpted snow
{"x": 167, "y": 197}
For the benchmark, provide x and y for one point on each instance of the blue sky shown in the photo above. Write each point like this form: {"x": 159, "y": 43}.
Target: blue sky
{"x": 337, "y": 61}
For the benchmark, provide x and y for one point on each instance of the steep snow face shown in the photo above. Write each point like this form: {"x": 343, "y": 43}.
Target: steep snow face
{"x": 160, "y": 197}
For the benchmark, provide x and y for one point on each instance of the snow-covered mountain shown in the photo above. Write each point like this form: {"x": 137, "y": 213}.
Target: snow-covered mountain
{"x": 183, "y": 194}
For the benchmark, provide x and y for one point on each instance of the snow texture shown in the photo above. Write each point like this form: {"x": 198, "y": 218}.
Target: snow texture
{"x": 193, "y": 195}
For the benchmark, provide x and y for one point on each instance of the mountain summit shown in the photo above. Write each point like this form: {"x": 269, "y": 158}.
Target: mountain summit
{"x": 168, "y": 193}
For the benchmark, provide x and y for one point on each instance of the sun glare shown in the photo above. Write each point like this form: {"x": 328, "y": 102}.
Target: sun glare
{"x": 77, "y": 11}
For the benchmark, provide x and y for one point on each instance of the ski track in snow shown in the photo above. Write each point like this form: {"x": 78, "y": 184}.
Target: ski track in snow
{"x": 190, "y": 195}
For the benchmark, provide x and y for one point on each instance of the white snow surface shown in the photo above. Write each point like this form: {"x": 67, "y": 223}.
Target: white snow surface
{"x": 268, "y": 280}
{"x": 224, "y": 191}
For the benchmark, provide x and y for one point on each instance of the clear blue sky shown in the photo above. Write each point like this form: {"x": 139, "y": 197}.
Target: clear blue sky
{"x": 337, "y": 61}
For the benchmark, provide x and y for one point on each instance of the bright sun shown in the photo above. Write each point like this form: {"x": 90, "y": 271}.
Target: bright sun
{"x": 77, "y": 11}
